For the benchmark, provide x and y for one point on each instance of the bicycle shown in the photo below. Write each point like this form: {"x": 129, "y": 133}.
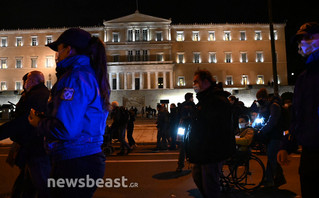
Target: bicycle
{"x": 244, "y": 171}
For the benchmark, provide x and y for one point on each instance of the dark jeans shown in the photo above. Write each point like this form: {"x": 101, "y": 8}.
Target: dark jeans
{"x": 182, "y": 155}
{"x": 121, "y": 134}
{"x": 130, "y": 128}
{"x": 309, "y": 173}
{"x": 92, "y": 166}
{"x": 32, "y": 180}
{"x": 206, "y": 178}
{"x": 274, "y": 172}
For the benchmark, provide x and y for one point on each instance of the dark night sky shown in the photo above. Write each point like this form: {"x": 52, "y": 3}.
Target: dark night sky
{"x": 59, "y": 13}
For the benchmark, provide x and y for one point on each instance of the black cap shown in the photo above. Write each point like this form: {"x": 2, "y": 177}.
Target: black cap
{"x": 75, "y": 37}
{"x": 308, "y": 28}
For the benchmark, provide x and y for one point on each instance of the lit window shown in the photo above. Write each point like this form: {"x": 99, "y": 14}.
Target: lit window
{"x": 18, "y": 62}
{"x": 229, "y": 80}
{"x": 18, "y": 85}
{"x": 116, "y": 58}
{"x": 180, "y": 36}
{"x": 228, "y": 57}
{"x": 129, "y": 55}
{"x": 97, "y": 35}
{"x": 116, "y": 37}
{"x": 137, "y": 35}
{"x": 19, "y": 41}
{"x": 196, "y": 36}
{"x": 259, "y": 57}
{"x": 137, "y": 55}
{"x": 211, "y": 36}
{"x": 48, "y": 39}
{"x": 4, "y": 64}
{"x": 197, "y": 58}
{"x": 160, "y": 81}
{"x": 260, "y": 80}
{"x": 34, "y": 40}
{"x": 212, "y": 57}
{"x": 258, "y": 35}
{"x": 243, "y": 57}
{"x": 244, "y": 80}
{"x": 275, "y": 35}
{"x": 242, "y": 36}
{"x": 227, "y": 36}
{"x": 49, "y": 61}
{"x": 159, "y": 36}
{"x": 145, "y": 55}
{"x": 181, "y": 81}
{"x": 4, "y": 85}
{"x": 180, "y": 58}
{"x": 159, "y": 57}
{"x": 4, "y": 42}
{"x": 130, "y": 35}
{"x": 145, "y": 35}
{"x": 34, "y": 62}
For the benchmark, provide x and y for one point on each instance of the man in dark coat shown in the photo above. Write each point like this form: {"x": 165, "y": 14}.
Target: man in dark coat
{"x": 304, "y": 129}
{"x": 31, "y": 157}
{"x": 211, "y": 139}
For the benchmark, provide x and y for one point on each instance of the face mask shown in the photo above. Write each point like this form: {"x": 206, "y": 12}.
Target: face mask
{"x": 196, "y": 88}
{"x": 242, "y": 125}
{"x": 307, "y": 47}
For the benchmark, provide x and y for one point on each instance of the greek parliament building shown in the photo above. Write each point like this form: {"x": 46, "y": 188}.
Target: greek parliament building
{"x": 150, "y": 59}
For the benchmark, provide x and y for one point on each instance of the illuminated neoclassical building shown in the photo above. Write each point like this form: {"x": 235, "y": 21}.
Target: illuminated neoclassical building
{"x": 149, "y": 58}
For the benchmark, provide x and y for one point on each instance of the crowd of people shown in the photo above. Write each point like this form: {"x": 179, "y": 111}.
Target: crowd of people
{"x": 60, "y": 134}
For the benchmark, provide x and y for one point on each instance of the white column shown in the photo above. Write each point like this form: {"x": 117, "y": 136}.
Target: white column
{"x": 164, "y": 80}
{"x": 117, "y": 81}
{"x": 148, "y": 80}
{"x": 105, "y": 36}
{"x": 110, "y": 81}
{"x": 125, "y": 81}
{"x": 141, "y": 80}
{"x": 171, "y": 80}
{"x": 133, "y": 80}
{"x": 156, "y": 80}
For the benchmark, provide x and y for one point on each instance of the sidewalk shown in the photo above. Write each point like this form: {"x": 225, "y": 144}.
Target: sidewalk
{"x": 145, "y": 132}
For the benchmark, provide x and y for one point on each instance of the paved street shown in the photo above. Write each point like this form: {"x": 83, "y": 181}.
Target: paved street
{"x": 148, "y": 173}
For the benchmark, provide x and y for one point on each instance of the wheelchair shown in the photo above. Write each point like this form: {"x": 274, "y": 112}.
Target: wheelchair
{"x": 244, "y": 171}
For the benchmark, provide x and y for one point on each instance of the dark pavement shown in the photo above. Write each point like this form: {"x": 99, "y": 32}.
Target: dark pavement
{"x": 149, "y": 173}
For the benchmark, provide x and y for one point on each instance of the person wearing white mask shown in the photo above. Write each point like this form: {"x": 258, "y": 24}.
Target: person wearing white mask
{"x": 246, "y": 133}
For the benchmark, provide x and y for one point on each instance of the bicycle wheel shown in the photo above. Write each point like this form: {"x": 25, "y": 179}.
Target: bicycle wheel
{"x": 249, "y": 174}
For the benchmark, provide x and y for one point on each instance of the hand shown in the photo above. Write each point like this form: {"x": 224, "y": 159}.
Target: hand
{"x": 282, "y": 157}
{"x": 33, "y": 118}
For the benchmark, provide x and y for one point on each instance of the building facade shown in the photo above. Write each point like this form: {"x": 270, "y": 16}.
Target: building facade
{"x": 149, "y": 57}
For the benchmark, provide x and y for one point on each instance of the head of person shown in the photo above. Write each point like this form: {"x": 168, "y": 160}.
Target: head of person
{"x": 232, "y": 99}
{"x": 262, "y": 96}
{"x": 189, "y": 97}
{"x": 33, "y": 78}
{"x": 243, "y": 121}
{"x": 114, "y": 105}
{"x": 307, "y": 38}
{"x": 76, "y": 41}
{"x": 172, "y": 106}
{"x": 24, "y": 79}
{"x": 203, "y": 80}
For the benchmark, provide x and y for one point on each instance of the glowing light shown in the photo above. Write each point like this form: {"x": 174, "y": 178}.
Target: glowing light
{"x": 259, "y": 122}
{"x": 181, "y": 131}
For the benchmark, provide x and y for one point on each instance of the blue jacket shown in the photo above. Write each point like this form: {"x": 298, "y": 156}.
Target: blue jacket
{"x": 76, "y": 120}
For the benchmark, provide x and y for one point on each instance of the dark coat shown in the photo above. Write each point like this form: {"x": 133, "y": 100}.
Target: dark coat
{"x": 211, "y": 138}
{"x": 305, "y": 120}
{"x": 19, "y": 129}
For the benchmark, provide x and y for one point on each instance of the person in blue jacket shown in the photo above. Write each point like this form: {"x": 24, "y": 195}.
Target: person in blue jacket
{"x": 77, "y": 111}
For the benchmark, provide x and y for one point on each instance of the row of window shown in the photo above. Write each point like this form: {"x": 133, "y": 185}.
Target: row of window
{"x": 135, "y": 36}
{"x": 34, "y": 41}
{"x": 212, "y": 58}
{"x": 49, "y": 62}
{"x": 229, "y": 80}
{"x": 226, "y": 37}
{"x": 19, "y": 84}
